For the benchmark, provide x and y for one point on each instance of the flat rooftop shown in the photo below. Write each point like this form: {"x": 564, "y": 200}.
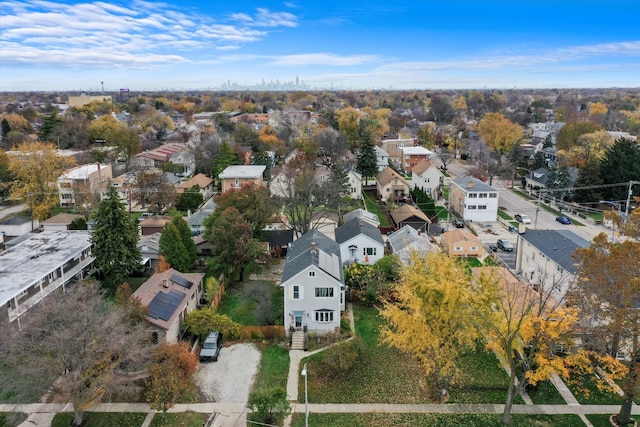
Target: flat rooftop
{"x": 28, "y": 262}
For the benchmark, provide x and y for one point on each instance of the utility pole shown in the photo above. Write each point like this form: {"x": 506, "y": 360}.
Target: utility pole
{"x": 626, "y": 208}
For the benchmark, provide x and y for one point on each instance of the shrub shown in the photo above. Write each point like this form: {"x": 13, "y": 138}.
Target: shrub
{"x": 201, "y": 322}
{"x": 343, "y": 357}
{"x": 269, "y": 406}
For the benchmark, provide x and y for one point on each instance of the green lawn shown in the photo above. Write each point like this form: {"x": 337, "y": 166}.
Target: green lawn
{"x": 372, "y": 206}
{"x": 433, "y": 420}
{"x": 11, "y": 419}
{"x": 502, "y": 214}
{"x": 588, "y": 393}
{"x": 102, "y": 419}
{"x": 386, "y": 376}
{"x": 390, "y": 376}
{"x": 485, "y": 380}
{"x": 545, "y": 393}
{"x": 254, "y": 303}
{"x": 182, "y": 419}
{"x": 274, "y": 368}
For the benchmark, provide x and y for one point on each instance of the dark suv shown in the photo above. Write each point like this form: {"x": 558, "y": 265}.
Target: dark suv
{"x": 211, "y": 347}
{"x": 505, "y": 245}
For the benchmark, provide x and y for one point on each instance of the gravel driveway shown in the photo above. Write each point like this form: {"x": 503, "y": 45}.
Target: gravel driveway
{"x": 229, "y": 380}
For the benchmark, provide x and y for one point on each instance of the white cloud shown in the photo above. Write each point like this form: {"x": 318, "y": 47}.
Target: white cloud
{"x": 322, "y": 59}
{"x": 140, "y": 32}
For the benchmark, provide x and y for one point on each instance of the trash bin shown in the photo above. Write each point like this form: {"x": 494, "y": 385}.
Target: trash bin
{"x": 512, "y": 228}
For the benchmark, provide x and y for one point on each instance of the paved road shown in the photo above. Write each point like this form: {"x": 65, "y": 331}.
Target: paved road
{"x": 6, "y": 211}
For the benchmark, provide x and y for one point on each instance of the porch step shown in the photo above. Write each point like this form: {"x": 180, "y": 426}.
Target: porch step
{"x": 297, "y": 340}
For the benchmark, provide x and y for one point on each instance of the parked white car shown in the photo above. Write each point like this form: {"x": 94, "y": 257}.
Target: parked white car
{"x": 523, "y": 218}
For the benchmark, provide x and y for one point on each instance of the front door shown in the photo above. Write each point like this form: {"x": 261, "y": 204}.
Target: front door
{"x": 298, "y": 318}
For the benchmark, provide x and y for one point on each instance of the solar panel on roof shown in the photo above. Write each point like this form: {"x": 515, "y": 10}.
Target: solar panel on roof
{"x": 164, "y": 304}
{"x": 179, "y": 280}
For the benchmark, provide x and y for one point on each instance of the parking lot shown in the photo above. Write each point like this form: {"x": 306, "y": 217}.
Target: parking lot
{"x": 489, "y": 233}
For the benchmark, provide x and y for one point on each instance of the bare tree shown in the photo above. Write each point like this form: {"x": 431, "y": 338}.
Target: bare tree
{"x": 302, "y": 199}
{"x": 77, "y": 342}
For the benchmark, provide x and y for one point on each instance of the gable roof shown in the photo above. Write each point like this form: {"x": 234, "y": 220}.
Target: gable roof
{"x": 300, "y": 256}
{"x": 355, "y": 227}
{"x": 408, "y": 239}
{"x": 423, "y": 166}
{"x": 380, "y": 152}
{"x": 558, "y": 245}
{"x": 166, "y": 294}
{"x": 156, "y": 221}
{"x": 61, "y": 218}
{"x": 405, "y": 212}
{"x": 454, "y": 236}
{"x": 387, "y": 175}
{"x": 361, "y": 213}
{"x": 152, "y": 241}
{"x": 200, "y": 179}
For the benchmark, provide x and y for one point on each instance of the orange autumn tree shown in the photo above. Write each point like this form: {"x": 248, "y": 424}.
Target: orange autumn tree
{"x": 608, "y": 294}
{"x": 171, "y": 372}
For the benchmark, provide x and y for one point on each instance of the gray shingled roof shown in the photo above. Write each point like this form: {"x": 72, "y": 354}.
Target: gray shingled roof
{"x": 356, "y": 226}
{"x": 299, "y": 254}
{"x": 558, "y": 245}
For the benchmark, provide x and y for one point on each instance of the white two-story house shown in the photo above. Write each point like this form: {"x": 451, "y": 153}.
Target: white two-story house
{"x": 427, "y": 177}
{"x": 359, "y": 242}
{"x": 313, "y": 284}
{"x": 473, "y": 200}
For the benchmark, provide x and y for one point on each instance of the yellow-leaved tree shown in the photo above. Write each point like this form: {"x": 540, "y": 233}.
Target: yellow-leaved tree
{"x": 533, "y": 335}
{"x": 429, "y": 315}
{"x": 500, "y": 134}
{"x": 36, "y": 167}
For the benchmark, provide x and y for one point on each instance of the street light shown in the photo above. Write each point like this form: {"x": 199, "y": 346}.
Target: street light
{"x": 306, "y": 400}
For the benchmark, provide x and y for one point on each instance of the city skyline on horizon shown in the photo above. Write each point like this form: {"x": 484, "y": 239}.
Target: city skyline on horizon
{"x": 374, "y": 45}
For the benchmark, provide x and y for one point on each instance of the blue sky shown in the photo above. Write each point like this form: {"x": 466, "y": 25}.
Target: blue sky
{"x": 142, "y": 45}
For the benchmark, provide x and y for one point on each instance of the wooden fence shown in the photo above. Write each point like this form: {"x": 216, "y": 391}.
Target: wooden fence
{"x": 268, "y": 332}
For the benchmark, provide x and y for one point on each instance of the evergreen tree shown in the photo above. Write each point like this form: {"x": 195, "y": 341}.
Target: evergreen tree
{"x": 589, "y": 176}
{"x": 6, "y": 128}
{"x": 115, "y": 241}
{"x": 226, "y": 157}
{"x": 172, "y": 248}
{"x": 336, "y": 187}
{"x": 367, "y": 163}
{"x": 190, "y": 199}
{"x": 49, "y": 123}
{"x": 186, "y": 235}
{"x": 621, "y": 163}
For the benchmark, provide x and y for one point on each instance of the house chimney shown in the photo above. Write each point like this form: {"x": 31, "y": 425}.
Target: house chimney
{"x": 313, "y": 247}
{"x": 470, "y": 183}
{"x": 165, "y": 283}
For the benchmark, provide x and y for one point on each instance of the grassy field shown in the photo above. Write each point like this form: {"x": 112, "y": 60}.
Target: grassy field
{"x": 274, "y": 368}
{"x": 372, "y": 206}
{"x": 433, "y": 420}
{"x": 183, "y": 419}
{"x": 485, "y": 381}
{"x": 588, "y": 393}
{"x": 390, "y": 376}
{"x": 10, "y": 419}
{"x": 255, "y": 302}
{"x": 545, "y": 393}
{"x": 386, "y": 376}
{"x": 102, "y": 419}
